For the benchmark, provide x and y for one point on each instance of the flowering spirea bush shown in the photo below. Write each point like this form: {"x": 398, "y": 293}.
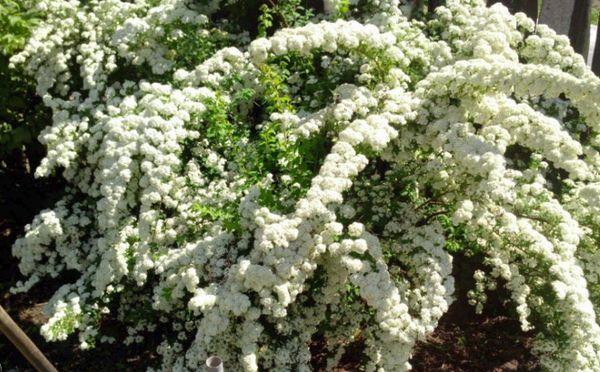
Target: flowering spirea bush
{"x": 241, "y": 197}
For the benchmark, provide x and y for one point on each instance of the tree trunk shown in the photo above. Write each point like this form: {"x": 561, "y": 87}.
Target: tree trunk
{"x": 557, "y": 14}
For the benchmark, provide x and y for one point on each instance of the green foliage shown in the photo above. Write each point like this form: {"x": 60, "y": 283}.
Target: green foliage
{"x": 17, "y": 19}
{"x": 285, "y": 13}
{"x": 276, "y": 96}
{"x": 594, "y": 15}
{"x": 228, "y": 216}
{"x": 265, "y": 20}
{"x": 22, "y": 115}
{"x": 343, "y": 7}
{"x": 194, "y": 45}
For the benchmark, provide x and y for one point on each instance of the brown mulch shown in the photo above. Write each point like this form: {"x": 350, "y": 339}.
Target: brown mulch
{"x": 464, "y": 342}
{"x": 467, "y": 342}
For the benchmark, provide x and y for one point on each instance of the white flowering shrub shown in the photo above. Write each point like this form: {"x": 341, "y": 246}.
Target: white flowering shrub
{"x": 241, "y": 198}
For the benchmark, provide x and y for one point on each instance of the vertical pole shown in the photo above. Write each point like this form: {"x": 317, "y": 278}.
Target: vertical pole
{"x": 18, "y": 338}
{"x": 596, "y": 56}
{"x": 579, "y": 32}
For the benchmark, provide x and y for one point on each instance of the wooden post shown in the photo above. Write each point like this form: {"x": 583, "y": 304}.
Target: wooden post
{"x": 579, "y": 32}
{"x": 557, "y": 14}
{"x": 12, "y": 331}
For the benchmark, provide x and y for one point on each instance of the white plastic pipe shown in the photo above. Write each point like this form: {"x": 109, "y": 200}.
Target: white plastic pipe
{"x": 214, "y": 364}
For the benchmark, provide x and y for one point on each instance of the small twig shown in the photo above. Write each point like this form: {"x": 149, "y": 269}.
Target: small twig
{"x": 426, "y": 220}
{"x": 433, "y": 201}
{"x": 533, "y": 218}
{"x": 429, "y": 202}
{"x": 25, "y": 160}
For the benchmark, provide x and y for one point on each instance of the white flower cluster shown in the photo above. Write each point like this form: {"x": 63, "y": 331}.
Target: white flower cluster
{"x": 315, "y": 182}
{"x": 97, "y": 33}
